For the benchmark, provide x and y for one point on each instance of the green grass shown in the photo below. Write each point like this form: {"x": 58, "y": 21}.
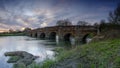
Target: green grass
{"x": 34, "y": 65}
{"x": 13, "y": 59}
{"x": 11, "y": 34}
{"x": 104, "y": 54}
{"x": 48, "y": 63}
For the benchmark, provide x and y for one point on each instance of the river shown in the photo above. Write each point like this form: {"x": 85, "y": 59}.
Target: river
{"x": 42, "y": 48}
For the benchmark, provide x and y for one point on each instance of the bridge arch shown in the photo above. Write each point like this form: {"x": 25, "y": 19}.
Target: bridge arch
{"x": 52, "y": 35}
{"x": 86, "y": 38}
{"x": 67, "y": 37}
{"x": 42, "y": 35}
{"x": 30, "y": 34}
{"x": 36, "y": 35}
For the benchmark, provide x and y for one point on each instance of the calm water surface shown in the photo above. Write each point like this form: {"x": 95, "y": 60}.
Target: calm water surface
{"x": 42, "y": 48}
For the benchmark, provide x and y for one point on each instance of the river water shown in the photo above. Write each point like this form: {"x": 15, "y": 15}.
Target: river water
{"x": 42, "y": 48}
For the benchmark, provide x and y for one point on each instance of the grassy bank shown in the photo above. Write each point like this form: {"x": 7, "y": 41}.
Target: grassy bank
{"x": 11, "y": 34}
{"x": 104, "y": 54}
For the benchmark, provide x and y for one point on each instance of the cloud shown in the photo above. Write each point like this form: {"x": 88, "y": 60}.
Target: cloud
{"x": 19, "y": 14}
{"x": 43, "y": 24}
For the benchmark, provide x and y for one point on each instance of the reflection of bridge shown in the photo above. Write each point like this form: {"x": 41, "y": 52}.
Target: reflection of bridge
{"x": 79, "y": 33}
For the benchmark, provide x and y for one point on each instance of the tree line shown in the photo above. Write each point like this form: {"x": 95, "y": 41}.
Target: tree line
{"x": 67, "y": 22}
{"x": 64, "y": 22}
{"x": 113, "y": 21}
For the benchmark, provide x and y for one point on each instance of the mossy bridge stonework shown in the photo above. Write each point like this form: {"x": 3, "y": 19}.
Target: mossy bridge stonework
{"x": 78, "y": 33}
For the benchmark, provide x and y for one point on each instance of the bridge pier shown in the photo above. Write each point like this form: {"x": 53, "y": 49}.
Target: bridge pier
{"x": 38, "y": 34}
{"x": 46, "y": 35}
{"x": 71, "y": 40}
{"x": 33, "y": 35}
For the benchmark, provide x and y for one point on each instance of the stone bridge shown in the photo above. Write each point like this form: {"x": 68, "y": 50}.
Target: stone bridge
{"x": 65, "y": 33}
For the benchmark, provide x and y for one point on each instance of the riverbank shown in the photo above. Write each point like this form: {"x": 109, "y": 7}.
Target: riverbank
{"x": 12, "y": 34}
{"x": 104, "y": 54}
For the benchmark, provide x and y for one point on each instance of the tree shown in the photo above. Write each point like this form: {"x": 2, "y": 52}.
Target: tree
{"x": 27, "y": 30}
{"x": 102, "y": 21}
{"x": 114, "y": 17}
{"x": 82, "y": 23}
{"x": 102, "y": 25}
{"x": 11, "y": 30}
{"x": 65, "y": 22}
{"x": 96, "y": 24}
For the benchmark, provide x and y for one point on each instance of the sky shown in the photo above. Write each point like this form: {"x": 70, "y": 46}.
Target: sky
{"x": 19, "y": 14}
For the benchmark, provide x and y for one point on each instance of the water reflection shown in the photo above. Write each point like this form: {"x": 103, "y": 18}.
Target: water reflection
{"x": 35, "y": 46}
{"x": 23, "y": 43}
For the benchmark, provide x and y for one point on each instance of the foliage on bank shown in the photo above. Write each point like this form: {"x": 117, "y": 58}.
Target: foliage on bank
{"x": 103, "y": 54}
{"x": 12, "y": 34}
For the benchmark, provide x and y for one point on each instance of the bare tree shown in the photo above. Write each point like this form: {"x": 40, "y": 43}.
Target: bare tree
{"x": 114, "y": 17}
{"x": 27, "y": 29}
{"x": 82, "y": 23}
{"x": 65, "y": 22}
{"x": 11, "y": 30}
